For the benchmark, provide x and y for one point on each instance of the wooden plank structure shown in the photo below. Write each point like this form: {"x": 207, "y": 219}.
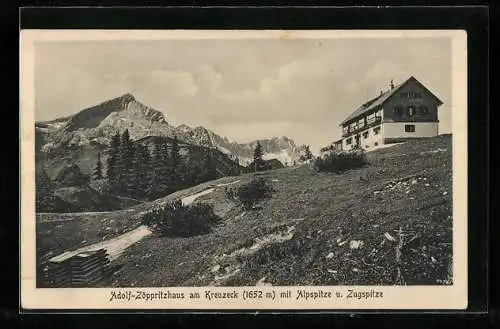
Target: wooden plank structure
{"x": 81, "y": 269}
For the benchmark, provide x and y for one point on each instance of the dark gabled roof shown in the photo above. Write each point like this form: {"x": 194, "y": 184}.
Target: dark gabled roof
{"x": 380, "y": 99}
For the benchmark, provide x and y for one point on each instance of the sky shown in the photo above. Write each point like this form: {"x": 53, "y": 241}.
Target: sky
{"x": 241, "y": 89}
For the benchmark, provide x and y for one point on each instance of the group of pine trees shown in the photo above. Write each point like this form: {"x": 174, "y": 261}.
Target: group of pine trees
{"x": 307, "y": 154}
{"x": 135, "y": 171}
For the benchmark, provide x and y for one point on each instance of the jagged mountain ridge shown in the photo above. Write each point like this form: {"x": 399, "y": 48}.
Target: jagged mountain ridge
{"x": 95, "y": 126}
{"x": 280, "y": 148}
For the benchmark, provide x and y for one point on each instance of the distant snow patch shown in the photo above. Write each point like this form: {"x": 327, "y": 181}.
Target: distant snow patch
{"x": 283, "y": 156}
{"x": 223, "y": 149}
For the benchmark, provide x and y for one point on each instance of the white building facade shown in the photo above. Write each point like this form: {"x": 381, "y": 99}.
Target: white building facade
{"x": 407, "y": 111}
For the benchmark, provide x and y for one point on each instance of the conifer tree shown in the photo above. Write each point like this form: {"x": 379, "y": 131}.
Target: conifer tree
{"x": 212, "y": 166}
{"x": 98, "y": 167}
{"x": 127, "y": 164}
{"x": 193, "y": 175}
{"x": 155, "y": 163}
{"x": 182, "y": 175}
{"x": 191, "y": 169}
{"x": 160, "y": 172}
{"x": 142, "y": 171}
{"x": 307, "y": 153}
{"x": 164, "y": 168}
{"x": 209, "y": 169}
{"x": 113, "y": 162}
{"x": 257, "y": 157}
{"x": 174, "y": 161}
{"x": 175, "y": 156}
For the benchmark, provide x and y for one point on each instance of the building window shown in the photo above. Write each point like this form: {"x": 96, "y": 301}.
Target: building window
{"x": 365, "y": 135}
{"x": 376, "y": 130}
{"x": 423, "y": 110}
{"x": 411, "y": 111}
{"x": 376, "y": 143}
{"x": 398, "y": 111}
{"x": 348, "y": 141}
{"x": 410, "y": 128}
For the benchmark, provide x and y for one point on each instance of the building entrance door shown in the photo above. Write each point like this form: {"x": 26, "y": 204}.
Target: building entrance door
{"x": 358, "y": 141}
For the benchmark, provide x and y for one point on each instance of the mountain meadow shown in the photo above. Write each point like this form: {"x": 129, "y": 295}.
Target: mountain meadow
{"x": 387, "y": 220}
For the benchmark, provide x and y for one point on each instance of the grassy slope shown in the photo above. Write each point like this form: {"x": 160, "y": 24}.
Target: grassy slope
{"x": 358, "y": 205}
{"x": 59, "y": 232}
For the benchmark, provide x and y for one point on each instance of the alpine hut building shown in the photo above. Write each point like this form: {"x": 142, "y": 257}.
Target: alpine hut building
{"x": 405, "y": 111}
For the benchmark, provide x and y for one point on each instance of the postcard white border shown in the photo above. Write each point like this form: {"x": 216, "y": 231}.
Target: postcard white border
{"x": 395, "y": 297}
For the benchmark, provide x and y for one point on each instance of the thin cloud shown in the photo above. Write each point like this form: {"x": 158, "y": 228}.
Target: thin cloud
{"x": 241, "y": 89}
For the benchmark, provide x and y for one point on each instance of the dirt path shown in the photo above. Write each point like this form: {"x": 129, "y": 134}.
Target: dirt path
{"x": 189, "y": 199}
{"x": 116, "y": 246}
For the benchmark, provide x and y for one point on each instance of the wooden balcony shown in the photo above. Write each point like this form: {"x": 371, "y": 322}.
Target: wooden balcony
{"x": 358, "y": 127}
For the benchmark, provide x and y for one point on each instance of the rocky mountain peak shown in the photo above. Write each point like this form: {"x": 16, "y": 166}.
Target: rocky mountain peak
{"x": 122, "y": 108}
{"x": 183, "y": 127}
{"x": 128, "y": 97}
{"x": 91, "y": 117}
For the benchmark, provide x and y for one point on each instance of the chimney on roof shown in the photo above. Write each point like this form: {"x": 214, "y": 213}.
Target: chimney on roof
{"x": 392, "y": 84}
{"x": 381, "y": 92}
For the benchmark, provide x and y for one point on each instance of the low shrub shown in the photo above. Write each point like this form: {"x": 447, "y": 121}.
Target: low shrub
{"x": 178, "y": 220}
{"x": 340, "y": 161}
{"x": 248, "y": 195}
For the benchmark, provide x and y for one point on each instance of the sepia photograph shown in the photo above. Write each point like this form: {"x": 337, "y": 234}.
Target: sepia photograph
{"x": 254, "y": 160}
